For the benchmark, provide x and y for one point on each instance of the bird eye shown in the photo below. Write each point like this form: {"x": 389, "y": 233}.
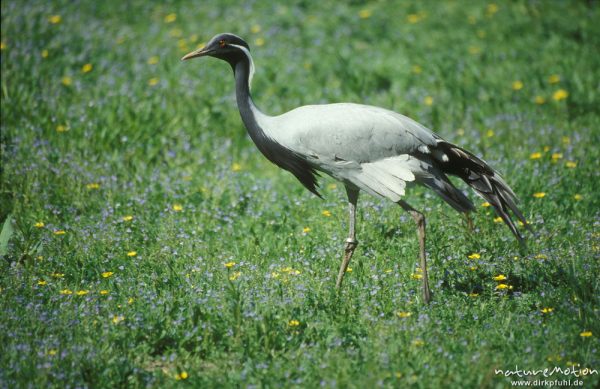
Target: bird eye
{"x": 222, "y": 43}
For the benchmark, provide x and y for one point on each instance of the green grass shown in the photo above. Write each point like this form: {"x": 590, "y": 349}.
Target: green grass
{"x": 172, "y": 308}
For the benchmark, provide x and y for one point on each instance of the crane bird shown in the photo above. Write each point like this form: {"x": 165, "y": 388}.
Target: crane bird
{"x": 366, "y": 148}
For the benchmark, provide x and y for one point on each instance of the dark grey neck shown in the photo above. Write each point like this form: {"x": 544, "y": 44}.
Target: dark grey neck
{"x": 275, "y": 152}
{"x": 248, "y": 110}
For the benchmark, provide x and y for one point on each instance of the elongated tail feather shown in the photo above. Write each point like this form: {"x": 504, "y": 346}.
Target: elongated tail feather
{"x": 485, "y": 181}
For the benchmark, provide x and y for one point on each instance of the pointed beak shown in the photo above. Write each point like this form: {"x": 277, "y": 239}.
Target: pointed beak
{"x": 197, "y": 53}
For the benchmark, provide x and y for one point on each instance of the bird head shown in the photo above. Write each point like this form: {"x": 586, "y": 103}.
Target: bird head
{"x": 228, "y": 47}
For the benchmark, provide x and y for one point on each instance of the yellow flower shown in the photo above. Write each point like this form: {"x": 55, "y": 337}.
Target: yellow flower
{"x": 486, "y": 204}
{"x": 182, "y": 44}
{"x": 235, "y": 276}
{"x": 403, "y": 315}
{"x": 107, "y": 274}
{"x": 416, "y": 69}
{"x": 503, "y": 286}
{"x": 415, "y": 276}
{"x": 428, "y": 101}
{"x": 66, "y": 291}
{"x": 293, "y": 323}
{"x": 229, "y": 265}
{"x": 489, "y": 133}
{"x": 259, "y": 42}
{"x": 131, "y": 253}
{"x": 491, "y": 9}
{"x": 541, "y": 256}
{"x": 62, "y": 128}
{"x": 473, "y": 268}
{"x": 45, "y": 53}
{"x": 348, "y": 270}
{"x": 414, "y": 18}
{"x": 181, "y": 376}
{"x": 52, "y": 352}
{"x": 127, "y": 218}
{"x": 539, "y": 195}
{"x": 55, "y": 19}
{"x": 474, "y": 256}
{"x": 586, "y": 334}
{"x": 554, "y": 79}
{"x": 104, "y": 292}
{"x": 473, "y": 294}
{"x": 153, "y": 60}
{"x": 578, "y": 197}
{"x": 517, "y": 85}
{"x": 418, "y": 343}
{"x": 153, "y": 81}
{"x": 236, "y": 167}
{"x": 117, "y": 319}
{"x": 498, "y": 219}
{"x": 86, "y": 68}
{"x": 67, "y": 81}
{"x": 130, "y": 300}
{"x": 536, "y": 155}
{"x": 93, "y": 185}
{"x": 539, "y": 100}
{"x": 255, "y": 29}
{"x": 326, "y": 213}
{"x": 571, "y": 164}
{"x": 176, "y": 33}
{"x": 306, "y": 230}
{"x": 500, "y": 277}
{"x": 60, "y": 232}
{"x": 560, "y": 94}
{"x": 42, "y": 282}
{"x": 39, "y": 225}
{"x": 82, "y": 292}
{"x": 364, "y": 13}
{"x": 474, "y": 50}
{"x": 58, "y": 275}
{"x": 177, "y": 207}
{"x": 170, "y": 18}
{"x": 290, "y": 270}
{"x": 547, "y": 310}
{"x": 556, "y": 156}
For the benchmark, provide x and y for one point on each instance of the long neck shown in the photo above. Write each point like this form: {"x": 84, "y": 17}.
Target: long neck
{"x": 252, "y": 117}
{"x": 250, "y": 114}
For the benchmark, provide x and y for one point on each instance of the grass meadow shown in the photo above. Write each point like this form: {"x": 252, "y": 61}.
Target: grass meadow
{"x": 147, "y": 243}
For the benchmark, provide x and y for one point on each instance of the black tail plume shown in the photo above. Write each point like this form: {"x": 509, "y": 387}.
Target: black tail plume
{"x": 485, "y": 181}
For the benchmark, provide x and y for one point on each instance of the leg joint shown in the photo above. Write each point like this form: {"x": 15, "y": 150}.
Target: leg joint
{"x": 418, "y": 217}
{"x": 351, "y": 243}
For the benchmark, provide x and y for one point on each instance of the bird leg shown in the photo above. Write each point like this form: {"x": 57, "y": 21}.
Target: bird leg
{"x": 351, "y": 241}
{"x": 419, "y": 218}
{"x": 469, "y": 220}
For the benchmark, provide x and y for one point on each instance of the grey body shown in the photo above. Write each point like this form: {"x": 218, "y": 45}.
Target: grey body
{"x": 367, "y": 148}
